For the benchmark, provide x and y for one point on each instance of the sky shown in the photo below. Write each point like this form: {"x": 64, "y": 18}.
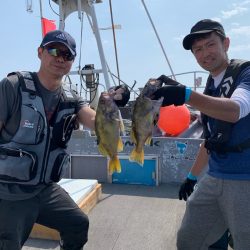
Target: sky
{"x": 140, "y": 56}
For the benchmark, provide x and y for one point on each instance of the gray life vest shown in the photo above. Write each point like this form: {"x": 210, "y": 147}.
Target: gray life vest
{"x": 218, "y": 142}
{"x": 36, "y": 153}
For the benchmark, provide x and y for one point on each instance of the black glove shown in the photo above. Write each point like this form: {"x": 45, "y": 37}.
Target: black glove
{"x": 167, "y": 80}
{"x": 125, "y": 95}
{"x": 186, "y": 189}
{"x": 173, "y": 92}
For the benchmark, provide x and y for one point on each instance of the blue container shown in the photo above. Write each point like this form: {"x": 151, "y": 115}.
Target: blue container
{"x": 133, "y": 173}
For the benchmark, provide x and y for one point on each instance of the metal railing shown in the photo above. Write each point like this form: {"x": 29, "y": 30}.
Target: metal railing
{"x": 192, "y": 79}
{"x": 196, "y": 78}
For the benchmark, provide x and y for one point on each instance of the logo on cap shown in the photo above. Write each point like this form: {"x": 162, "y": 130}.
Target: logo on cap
{"x": 61, "y": 36}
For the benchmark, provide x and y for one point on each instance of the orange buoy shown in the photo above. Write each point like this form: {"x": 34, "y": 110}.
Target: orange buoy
{"x": 173, "y": 120}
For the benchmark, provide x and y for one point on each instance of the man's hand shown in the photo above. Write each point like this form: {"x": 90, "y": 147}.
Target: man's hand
{"x": 173, "y": 92}
{"x": 121, "y": 95}
{"x": 167, "y": 80}
{"x": 186, "y": 188}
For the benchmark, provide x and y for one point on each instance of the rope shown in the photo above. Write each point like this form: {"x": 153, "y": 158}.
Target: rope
{"x": 80, "y": 55}
{"x": 159, "y": 40}
{"x": 113, "y": 29}
{"x": 53, "y": 9}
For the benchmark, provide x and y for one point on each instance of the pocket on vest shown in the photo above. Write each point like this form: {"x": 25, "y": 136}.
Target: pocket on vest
{"x": 62, "y": 130}
{"x": 61, "y": 163}
{"x": 31, "y": 129}
{"x": 17, "y": 165}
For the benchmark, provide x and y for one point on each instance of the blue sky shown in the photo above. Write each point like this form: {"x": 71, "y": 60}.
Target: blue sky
{"x": 139, "y": 53}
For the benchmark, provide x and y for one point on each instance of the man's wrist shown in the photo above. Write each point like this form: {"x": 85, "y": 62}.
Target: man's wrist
{"x": 188, "y": 92}
{"x": 192, "y": 177}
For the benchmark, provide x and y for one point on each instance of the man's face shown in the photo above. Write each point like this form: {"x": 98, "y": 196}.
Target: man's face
{"x": 56, "y": 59}
{"x": 211, "y": 52}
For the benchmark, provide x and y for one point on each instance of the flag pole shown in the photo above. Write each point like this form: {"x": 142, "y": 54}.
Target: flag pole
{"x": 41, "y": 16}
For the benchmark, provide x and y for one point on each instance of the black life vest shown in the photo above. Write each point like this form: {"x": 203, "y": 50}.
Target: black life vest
{"x": 218, "y": 142}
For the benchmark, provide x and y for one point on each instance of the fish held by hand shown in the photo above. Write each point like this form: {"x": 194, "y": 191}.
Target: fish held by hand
{"x": 108, "y": 126}
{"x": 144, "y": 116}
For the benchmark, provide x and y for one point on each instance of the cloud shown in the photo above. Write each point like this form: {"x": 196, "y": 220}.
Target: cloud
{"x": 247, "y": 2}
{"x": 234, "y": 12}
{"x": 179, "y": 38}
{"x": 105, "y": 41}
{"x": 218, "y": 19}
{"x": 237, "y": 9}
{"x": 239, "y": 48}
{"x": 241, "y": 30}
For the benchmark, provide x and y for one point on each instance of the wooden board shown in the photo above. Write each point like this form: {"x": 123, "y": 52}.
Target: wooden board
{"x": 86, "y": 204}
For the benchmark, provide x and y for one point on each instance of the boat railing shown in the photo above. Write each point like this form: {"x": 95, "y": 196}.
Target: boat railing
{"x": 193, "y": 79}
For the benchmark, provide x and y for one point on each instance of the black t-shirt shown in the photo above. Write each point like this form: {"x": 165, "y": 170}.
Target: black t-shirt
{"x": 10, "y": 101}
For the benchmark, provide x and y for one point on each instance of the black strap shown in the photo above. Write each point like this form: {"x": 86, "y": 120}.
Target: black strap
{"x": 238, "y": 148}
{"x": 26, "y": 81}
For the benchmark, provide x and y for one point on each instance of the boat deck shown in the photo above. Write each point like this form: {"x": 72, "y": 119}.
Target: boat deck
{"x": 130, "y": 217}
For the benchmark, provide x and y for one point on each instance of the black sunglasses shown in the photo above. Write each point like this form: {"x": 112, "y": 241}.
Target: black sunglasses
{"x": 66, "y": 55}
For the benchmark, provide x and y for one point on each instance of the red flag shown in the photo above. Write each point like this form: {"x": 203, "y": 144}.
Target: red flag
{"x": 47, "y": 25}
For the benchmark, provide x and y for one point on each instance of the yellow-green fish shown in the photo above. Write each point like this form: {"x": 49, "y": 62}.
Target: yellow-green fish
{"x": 144, "y": 115}
{"x": 108, "y": 126}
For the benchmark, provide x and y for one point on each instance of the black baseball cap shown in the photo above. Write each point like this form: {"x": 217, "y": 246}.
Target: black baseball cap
{"x": 60, "y": 36}
{"x": 202, "y": 27}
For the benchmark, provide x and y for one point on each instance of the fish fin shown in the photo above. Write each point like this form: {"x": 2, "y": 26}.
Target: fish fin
{"x": 132, "y": 136}
{"x": 122, "y": 127}
{"x": 120, "y": 145}
{"x": 102, "y": 150}
{"x": 137, "y": 156}
{"x": 148, "y": 141}
{"x": 114, "y": 165}
{"x": 157, "y": 104}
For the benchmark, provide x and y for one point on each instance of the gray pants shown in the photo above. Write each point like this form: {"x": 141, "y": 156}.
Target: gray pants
{"x": 214, "y": 206}
{"x": 52, "y": 207}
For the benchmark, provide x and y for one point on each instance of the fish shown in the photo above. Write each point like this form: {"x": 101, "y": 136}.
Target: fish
{"x": 144, "y": 116}
{"x": 108, "y": 127}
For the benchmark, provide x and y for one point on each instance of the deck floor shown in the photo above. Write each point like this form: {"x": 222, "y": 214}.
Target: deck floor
{"x": 130, "y": 217}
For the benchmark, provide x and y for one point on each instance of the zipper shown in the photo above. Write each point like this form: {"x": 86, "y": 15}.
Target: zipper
{"x": 31, "y": 106}
{"x": 65, "y": 129}
{"x": 47, "y": 145}
{"x": 65, "y": 157}
{"x": 46, "y": 154}
{"x": 21, "y": 153}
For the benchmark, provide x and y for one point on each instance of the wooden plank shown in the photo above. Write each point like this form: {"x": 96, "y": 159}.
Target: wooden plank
{"x": 91, "y": 200}
{"x": 42, "y": 232}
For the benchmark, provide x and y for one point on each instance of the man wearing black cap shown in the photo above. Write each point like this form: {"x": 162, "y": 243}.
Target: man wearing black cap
{"x": 221, "y": 199}
{"x": 37, "y": 116}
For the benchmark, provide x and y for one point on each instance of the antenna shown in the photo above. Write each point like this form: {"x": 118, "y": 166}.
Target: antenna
{"x": 29, "y": 6}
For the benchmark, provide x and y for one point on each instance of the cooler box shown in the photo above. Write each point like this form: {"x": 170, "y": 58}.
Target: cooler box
{"x": 133, "y": 173}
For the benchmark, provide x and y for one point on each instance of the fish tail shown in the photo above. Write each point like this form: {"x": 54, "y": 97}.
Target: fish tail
{"x": 137, "y": 156}
{"x": 114, "y": 165}
{"x": 122, "y": 127}
{"x": 120, "y": 145}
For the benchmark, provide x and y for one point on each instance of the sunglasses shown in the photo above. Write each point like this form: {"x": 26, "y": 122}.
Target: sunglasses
{"x": 66, "y": 55}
